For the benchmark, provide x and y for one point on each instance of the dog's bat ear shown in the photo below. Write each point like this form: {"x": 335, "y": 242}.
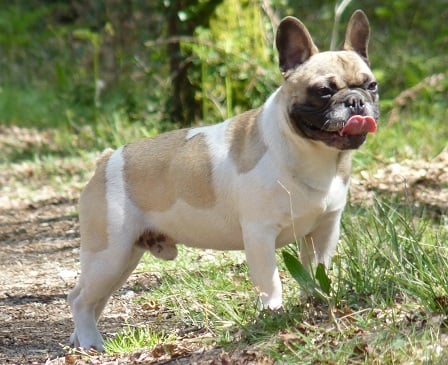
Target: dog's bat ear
{"x": 357, "y": 35}
{"x": 294, "y": 44}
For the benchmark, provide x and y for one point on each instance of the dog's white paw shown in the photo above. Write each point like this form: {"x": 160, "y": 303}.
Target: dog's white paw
{"x": 74, "y": 340}
{"x": 89, "y": 342}
{"x": 270, "y": 304}
{"x": 93, "y": 345}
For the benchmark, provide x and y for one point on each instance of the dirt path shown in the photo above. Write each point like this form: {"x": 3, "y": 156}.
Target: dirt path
{"x": 38, "y": 259}
{"x": 39, "y": 247}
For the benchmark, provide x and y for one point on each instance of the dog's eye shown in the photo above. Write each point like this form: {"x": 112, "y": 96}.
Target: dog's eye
{"x": 324, "y": 92}
{"x": 373, "y": 86}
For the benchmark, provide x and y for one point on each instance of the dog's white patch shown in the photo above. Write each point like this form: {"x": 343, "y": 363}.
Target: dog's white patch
{"x": 115, "y": 190}
{"x": 214, "y": 136}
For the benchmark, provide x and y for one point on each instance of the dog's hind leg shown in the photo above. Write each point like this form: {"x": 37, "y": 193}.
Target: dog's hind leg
{"x": 102, "y": 273}
{"x": 109, "y": 225}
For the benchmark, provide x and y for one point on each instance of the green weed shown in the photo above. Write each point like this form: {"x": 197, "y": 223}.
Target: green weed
{"x": 135, "y": 338}
{"x": 395, "y": 255}
{"x": 315, "y": 283}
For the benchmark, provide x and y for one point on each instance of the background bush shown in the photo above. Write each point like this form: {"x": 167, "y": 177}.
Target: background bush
{"x": 68, "y": 64}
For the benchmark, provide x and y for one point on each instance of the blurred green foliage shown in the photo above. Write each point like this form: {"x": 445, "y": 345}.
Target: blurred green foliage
{"x": 74, "y": 63}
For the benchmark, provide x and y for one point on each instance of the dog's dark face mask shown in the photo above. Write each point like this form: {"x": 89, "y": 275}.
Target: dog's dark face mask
{"x": 339, "y": 117}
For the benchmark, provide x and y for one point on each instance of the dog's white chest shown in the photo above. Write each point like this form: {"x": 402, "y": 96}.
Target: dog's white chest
{"x": 308, "y": 208}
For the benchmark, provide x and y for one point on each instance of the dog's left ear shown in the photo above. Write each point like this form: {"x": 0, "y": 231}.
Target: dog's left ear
{"x": 294, "y": 44}
{"x": 357, "y": 35}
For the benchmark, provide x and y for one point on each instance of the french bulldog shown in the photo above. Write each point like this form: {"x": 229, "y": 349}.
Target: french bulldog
{"x": 255, "y": 182}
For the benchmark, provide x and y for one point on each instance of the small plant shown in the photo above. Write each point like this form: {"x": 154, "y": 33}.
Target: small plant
{"x": 317, "y": 283}
{"x": 135, "y": 338}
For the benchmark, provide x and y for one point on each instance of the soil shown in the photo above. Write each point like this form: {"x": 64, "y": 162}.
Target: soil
{"x": 39, "y": 238}
{"x": 38, "y": 259}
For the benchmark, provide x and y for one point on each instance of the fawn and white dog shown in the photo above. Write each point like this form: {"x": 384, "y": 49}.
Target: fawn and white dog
{"x": 254, "y": 182}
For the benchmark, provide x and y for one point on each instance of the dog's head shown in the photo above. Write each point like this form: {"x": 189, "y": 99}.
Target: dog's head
{"x": 332, "y": 97}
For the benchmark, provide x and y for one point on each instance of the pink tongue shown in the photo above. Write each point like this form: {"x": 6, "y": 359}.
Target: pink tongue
{"x": 358, "y": 124}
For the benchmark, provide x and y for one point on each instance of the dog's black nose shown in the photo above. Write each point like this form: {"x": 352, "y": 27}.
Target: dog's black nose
{"x": 355, "y": 103}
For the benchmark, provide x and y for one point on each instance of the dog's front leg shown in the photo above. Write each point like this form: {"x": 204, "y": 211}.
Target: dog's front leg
{"x": 259, "y": 245}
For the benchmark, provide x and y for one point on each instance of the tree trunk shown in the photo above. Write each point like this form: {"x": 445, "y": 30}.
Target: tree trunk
{"x": 182, "y": 107}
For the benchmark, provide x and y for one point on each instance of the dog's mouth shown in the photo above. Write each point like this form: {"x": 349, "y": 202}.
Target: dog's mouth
{"x": 348, "y": 135}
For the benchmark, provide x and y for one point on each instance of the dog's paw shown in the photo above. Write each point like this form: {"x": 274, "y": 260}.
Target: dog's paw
{"x": 272, "y": 304}
{"x": 95, "y": 345}
{"x": 92, "y": 348}
{"x": 74, "y": 342}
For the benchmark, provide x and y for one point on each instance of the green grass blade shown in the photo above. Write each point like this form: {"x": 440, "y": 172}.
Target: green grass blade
{"x": 323, "y": 279}
{"x": 298, "y": 272}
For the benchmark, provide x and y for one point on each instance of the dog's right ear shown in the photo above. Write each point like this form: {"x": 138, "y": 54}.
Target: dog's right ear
{"x": 294, "y": 44}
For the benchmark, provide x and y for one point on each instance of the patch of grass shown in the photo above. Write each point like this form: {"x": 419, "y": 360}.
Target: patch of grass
{"x": 73, "y": 139}
{"x": 391, "y": 291}
{"x": 111, "y": 131}
{"x": 374, "y": 337}
{"x": 395, "y": 255}
{"x": 200, "y": 288}
{"x": 30, "y": 106}
{"x": 132, "y": 339}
